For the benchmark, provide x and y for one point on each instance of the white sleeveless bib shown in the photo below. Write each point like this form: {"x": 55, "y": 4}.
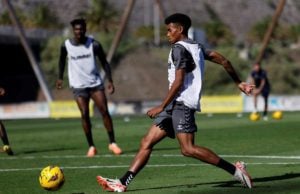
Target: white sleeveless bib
{"x": 82, "y": 68}
{"x": 190, "y": 93}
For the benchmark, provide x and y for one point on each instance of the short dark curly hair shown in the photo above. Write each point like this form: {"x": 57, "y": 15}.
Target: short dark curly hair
{"x": 181, "y": 19}
{"x": 78, "y": 21}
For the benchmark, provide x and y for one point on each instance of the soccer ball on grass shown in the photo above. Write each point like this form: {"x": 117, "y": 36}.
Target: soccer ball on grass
{"x": 277, "y": 115}
{"x": 254, "y": 116}
{"x": 52, "y": 178}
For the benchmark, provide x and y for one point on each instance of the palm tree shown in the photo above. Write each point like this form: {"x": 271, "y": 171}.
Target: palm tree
{"x": 101, "y": 16}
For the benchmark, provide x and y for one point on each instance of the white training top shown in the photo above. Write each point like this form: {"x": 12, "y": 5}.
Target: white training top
{"x": 190, "y": 93}
{"x": 82, "y": 67}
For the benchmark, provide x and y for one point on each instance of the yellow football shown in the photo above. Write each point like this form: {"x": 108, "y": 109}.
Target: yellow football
{"x": 6, "y": 148}
{"x": 254, "y": 117}
{"x": 277, "y": 115}
{"x": 52, "y": 178}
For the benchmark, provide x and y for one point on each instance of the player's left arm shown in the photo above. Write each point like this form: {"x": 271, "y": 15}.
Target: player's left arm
{"x": 99, "y": 52}
{"x": 217, "y": 58}
{"x": 260, "y": 87}
{"x": 179, "y": 56}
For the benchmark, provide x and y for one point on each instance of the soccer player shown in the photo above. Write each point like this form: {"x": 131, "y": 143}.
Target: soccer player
{"x": 174, "y": 117}
{"x": 3, "y": 135}
{"x": 262, "y": 87}
{"x": 86, "y": 82}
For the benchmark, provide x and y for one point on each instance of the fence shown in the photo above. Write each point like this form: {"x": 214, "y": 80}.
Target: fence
{"x": 210, "y": 104}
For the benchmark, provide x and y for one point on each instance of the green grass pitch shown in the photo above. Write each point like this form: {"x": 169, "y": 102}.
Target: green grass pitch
{"x": 270, "y": 149}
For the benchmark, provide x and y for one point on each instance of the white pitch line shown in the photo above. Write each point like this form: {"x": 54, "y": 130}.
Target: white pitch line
{"x": 263, "y": 157}
{"x": 152, "y": 155}
{"x": 148, "y": 166}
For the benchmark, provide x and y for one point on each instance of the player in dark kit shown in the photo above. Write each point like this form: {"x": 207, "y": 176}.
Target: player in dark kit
{"x": 262, "y": 87}
{"x": 3, "y": 135}
{"x": 86, "y": 82}
{"x": 175, "y": 116}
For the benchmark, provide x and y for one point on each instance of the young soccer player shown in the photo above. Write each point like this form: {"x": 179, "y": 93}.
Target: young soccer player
{"x": 3, "y": 135}
{"x": 86, "y": 82}
{"x": 174, "y": 117}
{"x": 262, "y": 87}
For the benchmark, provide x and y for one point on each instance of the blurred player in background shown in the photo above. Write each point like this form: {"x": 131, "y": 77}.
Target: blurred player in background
{"x": 175, "y": 116}
{"x": 86, "y": 82}
{"x": 3, "y": 135}
{"x": 262, "y": 87}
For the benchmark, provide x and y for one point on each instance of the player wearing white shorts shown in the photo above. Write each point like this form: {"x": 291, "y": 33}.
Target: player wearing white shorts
{"x": 174, "y": 117}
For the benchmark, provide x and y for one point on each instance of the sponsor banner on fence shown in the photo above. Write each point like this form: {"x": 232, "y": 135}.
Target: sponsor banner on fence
{"x": 221, "y": 104}
{"x": 209, "y": 104}
{"x": 122, "y": 108}
{"x": 284, "y": 103}
{"x": 67, "y": 109}
{"x": 24, "y": 110}
{"x": 132, "y": 107}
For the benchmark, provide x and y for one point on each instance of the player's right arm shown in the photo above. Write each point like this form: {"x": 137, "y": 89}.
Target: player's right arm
{"x": 61, "y": 66}
{"x": 99, "y": 52}
{"x": 217, "y": 58}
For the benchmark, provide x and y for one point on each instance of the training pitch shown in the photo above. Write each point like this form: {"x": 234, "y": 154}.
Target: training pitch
{"x": 269, "y": 148}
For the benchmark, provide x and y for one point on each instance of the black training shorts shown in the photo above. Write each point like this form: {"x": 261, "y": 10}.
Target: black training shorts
{"x": 176, "y": 118}
{"x": 86, "y": 92}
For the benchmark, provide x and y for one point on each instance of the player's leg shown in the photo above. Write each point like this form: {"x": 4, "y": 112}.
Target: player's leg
{"x": 3, "y": 134}
{"x": 4, "y": 138}
{"x": 161, "y": 128}
{"x": 154, "y": 135}
{"x": 189, "y": 149}
{"x": 83, "y": 105}
{"x": 265, "y": 95}
{"x": 183, "y": 120}
{"x": 101, "y": 104}
{"x": 184, "y": 124}
{"x": 100, "y": 100}
{"x": 255, "y": 102}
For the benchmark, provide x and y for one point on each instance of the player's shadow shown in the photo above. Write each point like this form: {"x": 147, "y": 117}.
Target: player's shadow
{"x": 225, "y": 183}
{"x": 43, "y": 151}
{"x": 154, "y": 149}
{"x": 263, "y": 179}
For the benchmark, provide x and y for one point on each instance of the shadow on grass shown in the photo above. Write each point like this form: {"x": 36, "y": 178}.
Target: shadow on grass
{"x": 154, "y": 150}
{"x": 42, "y": 151}
{"x": 263, "y": 179}
{"x": 229, "y": 184}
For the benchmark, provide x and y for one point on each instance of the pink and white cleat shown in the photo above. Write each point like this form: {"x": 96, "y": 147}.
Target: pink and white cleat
{"x": 113, "y": 185}
{"x": 242, "y": 175}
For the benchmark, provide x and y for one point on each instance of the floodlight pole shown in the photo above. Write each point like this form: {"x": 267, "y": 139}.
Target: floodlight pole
{"x": 156, "y": 24}
{"x": 121, "y": 29}
{"x": 161, "y": 10}
{"x": 270, "y": 30}
{"x": 158, "y": 15}
{"x": 28, "y": 51}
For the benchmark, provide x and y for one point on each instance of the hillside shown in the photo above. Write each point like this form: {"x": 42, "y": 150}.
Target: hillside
{"x": 141, "y": 75}
{"x": 240, "y": 15}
